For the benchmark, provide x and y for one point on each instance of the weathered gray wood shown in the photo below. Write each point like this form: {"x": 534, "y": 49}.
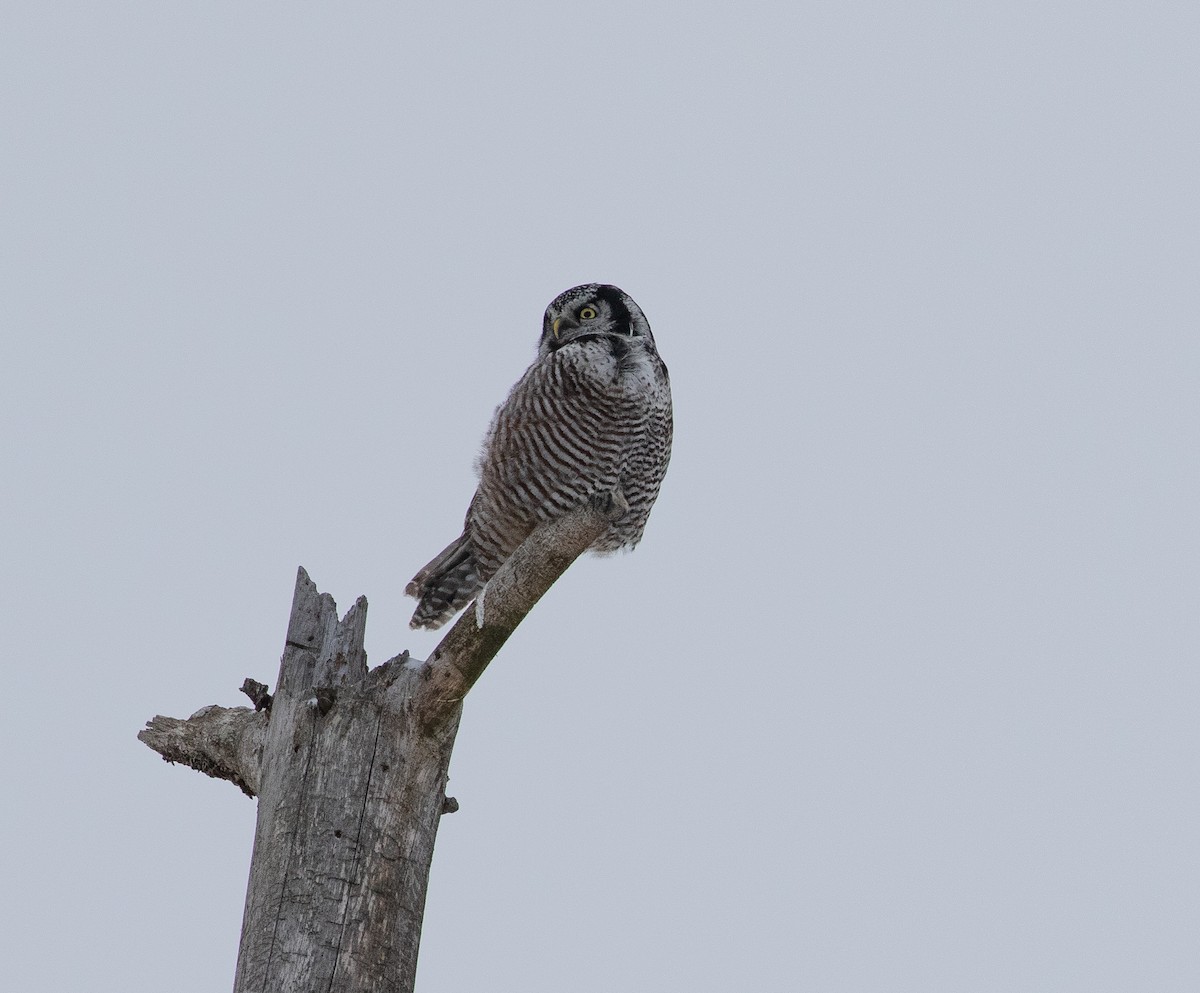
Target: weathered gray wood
{"x": 352, "y": 793}
{"x": 350, "y": 768}
{"x": 222, "y": 742}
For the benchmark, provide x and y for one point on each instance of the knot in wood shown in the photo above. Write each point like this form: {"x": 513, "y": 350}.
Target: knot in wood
{"x": 322, "y": 699}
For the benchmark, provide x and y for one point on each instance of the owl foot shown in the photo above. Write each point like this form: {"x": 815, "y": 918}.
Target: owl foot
{"x": 610, "y": 504}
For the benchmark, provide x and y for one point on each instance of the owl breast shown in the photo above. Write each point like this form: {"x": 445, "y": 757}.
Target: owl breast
{"x": 592, "y": 416}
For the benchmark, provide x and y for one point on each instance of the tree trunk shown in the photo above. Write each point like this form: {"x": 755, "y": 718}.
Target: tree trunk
{"x": 350, "y": 768}
{"x": 352, "y": 790}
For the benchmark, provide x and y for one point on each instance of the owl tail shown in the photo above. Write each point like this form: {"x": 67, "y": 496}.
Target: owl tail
{"x": 445, "y": 585}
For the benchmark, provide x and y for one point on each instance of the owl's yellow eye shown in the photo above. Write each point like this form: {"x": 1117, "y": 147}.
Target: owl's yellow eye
{"x": 587, "y": 313}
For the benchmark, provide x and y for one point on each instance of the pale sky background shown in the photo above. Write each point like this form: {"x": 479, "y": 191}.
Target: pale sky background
{"x": 900, "y": 691}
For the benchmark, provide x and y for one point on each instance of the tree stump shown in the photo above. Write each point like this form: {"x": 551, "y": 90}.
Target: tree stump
{"x": 349, "y": 765}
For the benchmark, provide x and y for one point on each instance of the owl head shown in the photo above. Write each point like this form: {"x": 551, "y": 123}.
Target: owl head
{"x": 590, "y": 310}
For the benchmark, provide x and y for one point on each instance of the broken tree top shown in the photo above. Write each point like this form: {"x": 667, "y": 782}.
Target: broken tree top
{"x": 350, "y": 768}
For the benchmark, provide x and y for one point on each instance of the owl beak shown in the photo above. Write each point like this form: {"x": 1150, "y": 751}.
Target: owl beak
{"x": 563, "y": 324}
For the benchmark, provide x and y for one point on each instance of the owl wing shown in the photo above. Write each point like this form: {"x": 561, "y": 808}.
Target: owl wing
{"x": 648, "y": 456}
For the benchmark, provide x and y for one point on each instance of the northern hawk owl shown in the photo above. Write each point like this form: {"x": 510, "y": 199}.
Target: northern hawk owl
{"x": 590, "y": 416}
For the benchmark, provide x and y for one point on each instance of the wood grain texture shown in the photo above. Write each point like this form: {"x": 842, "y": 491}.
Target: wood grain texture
{"x": 351, "y": 797}
{"x": 222, "y": 742}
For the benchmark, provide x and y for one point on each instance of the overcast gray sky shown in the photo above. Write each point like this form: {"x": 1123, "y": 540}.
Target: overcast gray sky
{"x": 899, "y": 692}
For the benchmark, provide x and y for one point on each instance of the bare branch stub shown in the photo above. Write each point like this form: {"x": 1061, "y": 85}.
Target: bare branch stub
{"x": 257, "y": 692}
{"x": 222, "y": 742}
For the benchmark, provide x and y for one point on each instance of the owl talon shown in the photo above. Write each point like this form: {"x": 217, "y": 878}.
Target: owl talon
{"x": 611, "y": 504}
